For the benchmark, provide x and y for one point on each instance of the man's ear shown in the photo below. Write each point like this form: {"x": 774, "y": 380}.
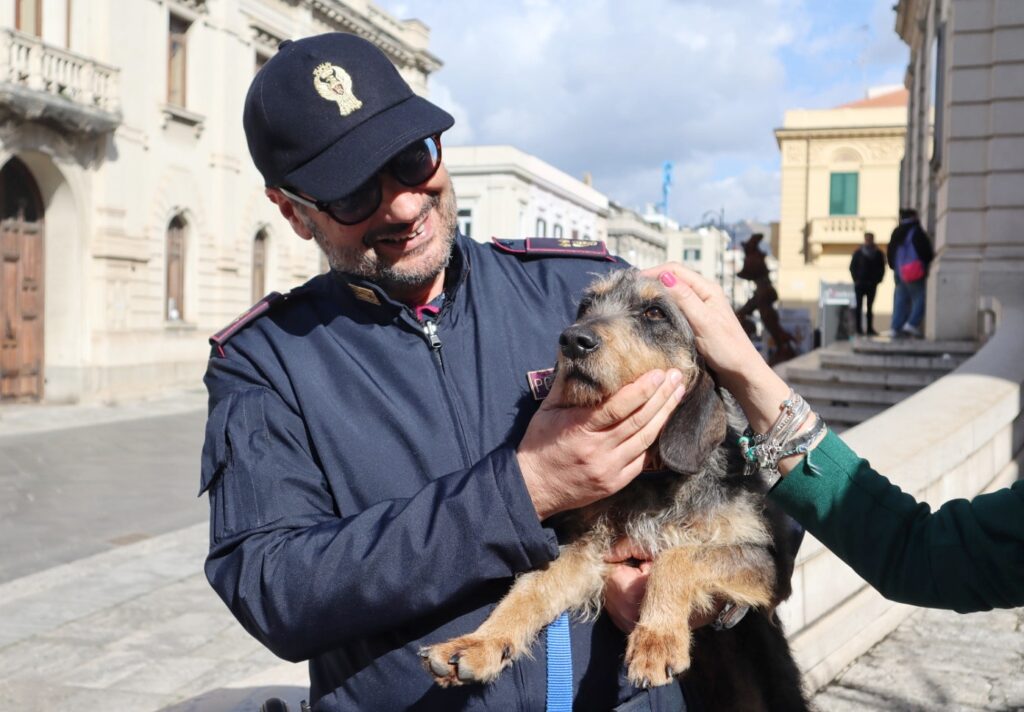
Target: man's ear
{"x": 290, "y": 212}
{"x": 695, "y": 428}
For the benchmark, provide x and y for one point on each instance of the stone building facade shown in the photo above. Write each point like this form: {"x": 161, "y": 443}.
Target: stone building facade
{"x": 840, "y": 179}
{"x": 641, "y": 240}
{"x": 133, "y": 223}
{"x": 967, "y": 177}
{"x": 504, "y": 192}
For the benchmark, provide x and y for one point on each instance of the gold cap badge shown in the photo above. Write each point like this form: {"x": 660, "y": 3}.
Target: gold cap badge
{"x": 334, "y": 84}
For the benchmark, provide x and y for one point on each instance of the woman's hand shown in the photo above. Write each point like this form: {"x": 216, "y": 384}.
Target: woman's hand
{"x": 720, "y": 337}
{"x": 722, "y": 341}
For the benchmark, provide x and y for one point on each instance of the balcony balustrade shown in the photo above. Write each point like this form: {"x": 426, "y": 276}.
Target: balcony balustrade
{"x": 51, "y": 84}
{"x": 839, "y": 232}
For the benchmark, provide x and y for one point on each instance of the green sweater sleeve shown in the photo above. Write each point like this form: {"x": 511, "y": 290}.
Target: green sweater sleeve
{"x": 967, "y": 555}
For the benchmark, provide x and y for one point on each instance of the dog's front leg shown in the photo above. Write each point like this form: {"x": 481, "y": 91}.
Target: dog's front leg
{"x": 536, "y": 599}
{"x": 659, "y": 646}
{"x": 683, "y": 581}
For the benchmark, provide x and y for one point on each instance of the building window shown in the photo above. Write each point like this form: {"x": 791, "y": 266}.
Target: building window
{"x": 542, "y": 227}
{"x": 843, "y": 194}
{"x": 575, "y": 234}
{"x": 466, "y": 222}
{"x": 556, "y": 230}
{"x": 259, "y": 266}
{"x": 177, "y": 65}
{"x": 691, "y": 254}
{"x": 28, "y": 17}
{"x": 175, "y": 309}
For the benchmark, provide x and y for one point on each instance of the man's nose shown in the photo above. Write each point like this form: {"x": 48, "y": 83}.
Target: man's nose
{"x": 400, "y": 203}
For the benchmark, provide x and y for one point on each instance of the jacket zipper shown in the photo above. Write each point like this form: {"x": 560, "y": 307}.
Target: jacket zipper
{"x": 430, "y": 329}
{"x": 434, "y": 341}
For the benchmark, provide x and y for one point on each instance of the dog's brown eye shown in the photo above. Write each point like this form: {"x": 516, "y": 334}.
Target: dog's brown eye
{"x": 654, "y": 313}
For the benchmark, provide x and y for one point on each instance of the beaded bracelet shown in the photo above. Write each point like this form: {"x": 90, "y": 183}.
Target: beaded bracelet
{"x": 762, "y": 452}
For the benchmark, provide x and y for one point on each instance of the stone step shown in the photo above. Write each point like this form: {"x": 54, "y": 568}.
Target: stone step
{"x": 912, "y": 347}
{"x": 830, "y": 394}
{"x": 846, "y": 416}
{"x": 853, "y": 377}
{"x": 935, "y": 364}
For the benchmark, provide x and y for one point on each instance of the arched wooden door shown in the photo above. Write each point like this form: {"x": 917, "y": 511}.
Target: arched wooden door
{"x": 21, "y": 284}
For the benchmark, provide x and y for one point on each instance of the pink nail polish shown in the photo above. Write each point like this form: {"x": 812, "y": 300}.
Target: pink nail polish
{"x": 668, "y": 279}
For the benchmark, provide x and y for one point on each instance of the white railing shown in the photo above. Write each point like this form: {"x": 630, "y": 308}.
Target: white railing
{"x": 838, "y": 228}
{"x": 28, "y": 62}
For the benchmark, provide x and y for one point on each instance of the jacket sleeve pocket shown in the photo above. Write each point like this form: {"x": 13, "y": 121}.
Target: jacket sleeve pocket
{"x": 236, "y": 436}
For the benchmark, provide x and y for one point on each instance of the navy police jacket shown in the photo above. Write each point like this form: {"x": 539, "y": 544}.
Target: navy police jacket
{"x": 365, "y": 498}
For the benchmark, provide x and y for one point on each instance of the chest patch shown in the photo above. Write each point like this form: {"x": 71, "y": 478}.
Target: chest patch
{"x": 540, "y": 382}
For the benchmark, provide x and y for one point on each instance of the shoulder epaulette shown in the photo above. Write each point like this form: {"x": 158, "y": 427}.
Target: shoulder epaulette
{"x": 554, "y": 247}
{"x": 250, "y": 315}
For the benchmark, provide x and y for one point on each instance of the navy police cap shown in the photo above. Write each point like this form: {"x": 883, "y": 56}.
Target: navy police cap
{"x": 326, "y": 113}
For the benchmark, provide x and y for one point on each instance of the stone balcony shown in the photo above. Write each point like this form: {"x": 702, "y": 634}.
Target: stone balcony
{"x": 39, "y": 82}
{"x": 844, "y": 231}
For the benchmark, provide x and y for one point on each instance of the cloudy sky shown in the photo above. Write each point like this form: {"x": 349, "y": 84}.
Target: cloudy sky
{"x": 617, "y": 88}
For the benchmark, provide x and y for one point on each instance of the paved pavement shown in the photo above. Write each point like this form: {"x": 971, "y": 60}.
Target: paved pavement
{"x": 937, "y": 660}
{"x": 103, "y": 603}
{"x": 79, "y": 480}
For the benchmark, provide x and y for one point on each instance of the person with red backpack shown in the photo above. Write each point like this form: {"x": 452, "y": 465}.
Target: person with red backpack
{"x": 909, "y": 255}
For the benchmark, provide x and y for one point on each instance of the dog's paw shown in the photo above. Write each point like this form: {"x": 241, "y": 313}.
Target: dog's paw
{"x": 469, "y": 659}
{"x": 655, "y": 657}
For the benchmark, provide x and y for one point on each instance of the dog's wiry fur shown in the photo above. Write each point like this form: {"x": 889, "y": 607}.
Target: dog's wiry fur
{"x": 702, "y": 521}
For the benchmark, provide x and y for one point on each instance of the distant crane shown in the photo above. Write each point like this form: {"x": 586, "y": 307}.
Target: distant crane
{"x": 666, "y": 187}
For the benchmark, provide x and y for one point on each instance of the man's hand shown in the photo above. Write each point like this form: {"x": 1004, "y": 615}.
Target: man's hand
{"x": 571, "y": 457}
{"x": 626, "y": 584}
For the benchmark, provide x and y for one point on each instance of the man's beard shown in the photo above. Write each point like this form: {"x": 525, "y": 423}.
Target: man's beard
{"x": 364, "y": 263}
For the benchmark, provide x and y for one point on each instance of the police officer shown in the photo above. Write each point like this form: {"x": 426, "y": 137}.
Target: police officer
{"x": 378, "y": 458}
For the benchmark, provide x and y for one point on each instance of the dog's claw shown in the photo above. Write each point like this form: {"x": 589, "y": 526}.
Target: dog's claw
{"x": 439, "y": 670}
{"x": 465, "y": 675}
{"x": 454, "y": 660}
{"x": 506, "y": 652}
{"x": 423, "y": 653}
{"x": 670, "y": 672}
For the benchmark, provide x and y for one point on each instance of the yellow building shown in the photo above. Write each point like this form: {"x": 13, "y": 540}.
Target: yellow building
{"x": 840, "y": 179}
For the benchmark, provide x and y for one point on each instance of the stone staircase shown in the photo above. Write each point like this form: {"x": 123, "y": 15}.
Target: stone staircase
{"x": 849, "y": 382}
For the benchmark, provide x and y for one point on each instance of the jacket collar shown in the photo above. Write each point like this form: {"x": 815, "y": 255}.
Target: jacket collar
{"x": 370, "y": 298}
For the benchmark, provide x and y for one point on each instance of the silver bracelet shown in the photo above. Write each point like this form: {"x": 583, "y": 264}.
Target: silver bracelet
{"x": 762, "y": 452}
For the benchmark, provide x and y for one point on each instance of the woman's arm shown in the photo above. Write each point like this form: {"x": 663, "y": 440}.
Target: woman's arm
{"x": 968, "y": 555}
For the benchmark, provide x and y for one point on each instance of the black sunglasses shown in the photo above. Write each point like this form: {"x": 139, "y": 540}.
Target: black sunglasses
{"x": 415, "y": 164}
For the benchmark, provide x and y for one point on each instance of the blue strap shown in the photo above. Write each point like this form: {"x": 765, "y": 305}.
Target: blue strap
{"x": 559, "y": 666}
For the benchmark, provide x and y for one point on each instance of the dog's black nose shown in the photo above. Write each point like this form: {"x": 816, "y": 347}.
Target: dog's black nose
{"x": 577, "y": 342}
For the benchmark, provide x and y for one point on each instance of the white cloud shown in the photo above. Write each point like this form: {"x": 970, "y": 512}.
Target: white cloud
{"x": 618, "y": 88}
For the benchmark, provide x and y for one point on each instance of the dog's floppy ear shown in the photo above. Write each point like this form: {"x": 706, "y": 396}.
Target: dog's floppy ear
{"x": 695, "y": 428}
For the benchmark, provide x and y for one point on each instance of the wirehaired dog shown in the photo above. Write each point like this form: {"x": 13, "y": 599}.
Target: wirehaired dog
{"x": 703, "y": 522}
